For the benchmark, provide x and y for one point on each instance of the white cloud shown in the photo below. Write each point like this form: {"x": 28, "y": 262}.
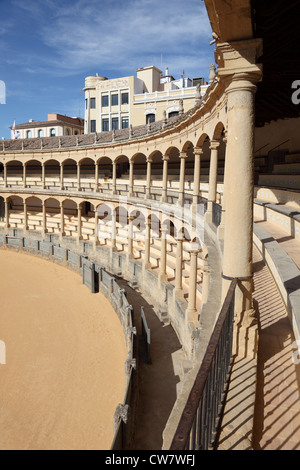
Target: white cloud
{"x": 120, "y": 35}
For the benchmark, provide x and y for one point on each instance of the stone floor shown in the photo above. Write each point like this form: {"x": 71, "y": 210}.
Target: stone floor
{"x": 266, "y": 394}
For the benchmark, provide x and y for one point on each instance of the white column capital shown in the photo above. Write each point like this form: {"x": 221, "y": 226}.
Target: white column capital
{"x": 183, "y": 155}
{"x": 214, "y": 145}
{"x": 198, "y": 151}
{"x": 166, "y": 158}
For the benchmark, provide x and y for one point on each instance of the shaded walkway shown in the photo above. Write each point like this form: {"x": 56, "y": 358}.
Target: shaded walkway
{"x": 277, "y": 412}
{"x": 158, "y": 381}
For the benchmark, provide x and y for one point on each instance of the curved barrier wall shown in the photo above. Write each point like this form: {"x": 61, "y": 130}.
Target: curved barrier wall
{"x": 97, "y": 279}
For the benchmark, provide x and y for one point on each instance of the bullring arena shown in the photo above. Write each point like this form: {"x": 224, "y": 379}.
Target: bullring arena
{"x": 194, "y": 219}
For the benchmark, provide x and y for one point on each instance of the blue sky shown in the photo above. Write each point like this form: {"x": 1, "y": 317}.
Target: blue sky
{"x": 48, "y": 47}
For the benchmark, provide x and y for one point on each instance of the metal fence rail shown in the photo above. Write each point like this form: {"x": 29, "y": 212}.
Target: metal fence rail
{"x": 198, "y": 424}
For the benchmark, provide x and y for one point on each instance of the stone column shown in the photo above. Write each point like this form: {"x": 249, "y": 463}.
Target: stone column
{"x": 96, "y": 241}
{"x": 191, "y": 312}
{"x": 163, "y": 255}
{"x": 5, "y": 175}
{"x": 7, "y": 214}
{"x": 238, "y": 234}
{"x": 44, "y": 219}
{"x": 131, "y": 182}
{"x": 164, "y": 198}
{"x": 114, "y": 183}
{"x": 114, "y": 230}
{"x": 24, "y": 175}
{"x": 148, "y": 183}
{"x": 79, "y": 223}
{"x": 179, "y": 261}
{"x": 130, "y": 237}
{"x": 43, "y": 176}
{"x": 205, "y": 281}
{"x": 78, "y": 177}
{"x": 96, "y": 176}
{"x": 147, "y": 264}
{"x": 25, "y": 228}
{"x": 213, "y": 178}
{"x": 197, "y": 173}
{"x": 183, "y": 156}
{"x": 62, "y": 220}
{"x": 62, "y": 176}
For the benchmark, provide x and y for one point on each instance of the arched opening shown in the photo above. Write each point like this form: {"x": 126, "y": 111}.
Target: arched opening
{"x": 122, "y": 174}
{"x": 16, "y": 212}
{"x": 34, "y": 208}
{"x": 139, "y": 174}
{"x": 52, "y": 174}
{"x": 156, "y": 174}
{"x": 52, "y": 211}
{"x": 87, "y": 174}
{"x": 33, "y": 174}
{"x": 70, "y": 174}
{"x": 105, "y": 169}
{"x": 14, "y": 174}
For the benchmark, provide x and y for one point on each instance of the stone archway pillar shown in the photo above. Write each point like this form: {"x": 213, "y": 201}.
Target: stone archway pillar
{"x": 131, "y": 179}
{"x": 24, "y": 175}
{"x": 44, "y": 218}
{"x": 147, "y": 264}
{"x": 78, "y": 177}
{"x": 43, "y": 176}
{"x": 5, "y": 174}
{"x": 96, "y": 176}
{"x": 25, "y": 228}
{"x": 62, "y": 176}
{"x": 183, "y": 157}
{"x": 163, "y": 277}
{"x": 130, "y": 237}
{"x": 238, "y": 232}
{"x": 62, "y": 220}
{"x": 197, "y": 174}
{"x": 191, "y": 314}
{"x": 7, "y": 214}
{"x": 114, "y": 230}
{"x": 96, "y": 240}
{"x": 179, "y": 261}
{"x": 213, "y": 178}
{"x": 79, "y": 223}
{"x": 148, "y": 183}
{"x": 164, "y": 197}
{"x": 114, "y": 182}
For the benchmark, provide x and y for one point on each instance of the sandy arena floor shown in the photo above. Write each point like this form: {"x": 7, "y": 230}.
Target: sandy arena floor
{"x": 65, "y": 356}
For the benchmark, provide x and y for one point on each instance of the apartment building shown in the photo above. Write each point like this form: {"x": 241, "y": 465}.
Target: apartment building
{"x": 56, "y": 125}
{"x": 113, "y": 104}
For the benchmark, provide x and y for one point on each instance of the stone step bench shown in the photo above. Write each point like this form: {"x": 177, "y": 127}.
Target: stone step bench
{"x": 285, "y": 273}
{"x": 287, "y": 218}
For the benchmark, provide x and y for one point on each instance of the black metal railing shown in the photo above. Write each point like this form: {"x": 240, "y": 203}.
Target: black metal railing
{"x": 197, "y": 429}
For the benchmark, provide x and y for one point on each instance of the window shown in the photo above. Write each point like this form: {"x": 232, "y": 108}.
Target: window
{"x": 104, "y": 101}
{"x": 28, "y": 134}
{"x": 150, "y": 118}
{"x": 93, "y": 103}
{"x": 125, "y": 122}
{"x": 86, "y": 104}
{"x": 52, "y": 132}
{"x": 68, "y": 132}
{"x": 115, "y": 123}
{"x": 105, "y": 125}
{"x": 93, "y": 125}
{"x": 125, "y": 98}
{"x": 114, "y": 100}
{"x": 173, "y": 114}
{"x": 41, "y": 133}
